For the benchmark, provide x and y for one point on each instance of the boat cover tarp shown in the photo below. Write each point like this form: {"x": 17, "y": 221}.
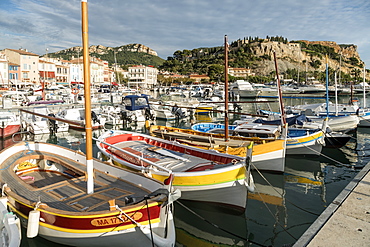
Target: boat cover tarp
{"x": 299, "y": 120}
{"x": 136, "y": 102}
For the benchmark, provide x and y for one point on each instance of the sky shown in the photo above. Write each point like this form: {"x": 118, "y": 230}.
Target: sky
{"x": 42, "y": 26}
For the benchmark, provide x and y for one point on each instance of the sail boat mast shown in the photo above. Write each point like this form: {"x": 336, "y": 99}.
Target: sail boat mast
{"x": 281, "y": 103}
{"x": 88, "y": 125}
{"x": 364, "y": 88}
{"x": 327, "y": 86}
{"x": 226, "y": 90}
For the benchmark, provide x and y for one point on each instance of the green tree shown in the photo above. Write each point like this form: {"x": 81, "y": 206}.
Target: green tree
{"x": 215, "y": 72}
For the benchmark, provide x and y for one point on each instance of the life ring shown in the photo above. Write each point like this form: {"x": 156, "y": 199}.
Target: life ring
{"x": 75, "y": 90}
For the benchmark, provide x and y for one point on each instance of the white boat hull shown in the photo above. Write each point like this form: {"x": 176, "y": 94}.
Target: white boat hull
{"x": 133, "y": 237}
{"x": 233, "y": 195}
{"x": 341, "y": 123}
{"x": 271, "y": 161}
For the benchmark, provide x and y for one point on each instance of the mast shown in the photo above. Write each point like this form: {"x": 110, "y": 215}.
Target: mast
{"x": 364, "y": 89}
{"x": 226, "y": 91}
{"x": 336, "y": 94}
{"x": 281, "y": 103}
{"x": 88, "y": 125}
{"x": 327, "y": 87}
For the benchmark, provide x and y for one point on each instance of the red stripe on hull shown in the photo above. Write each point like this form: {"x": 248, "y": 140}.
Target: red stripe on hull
{"x": 93, "y": 222}
{"x": 218, "y": 158}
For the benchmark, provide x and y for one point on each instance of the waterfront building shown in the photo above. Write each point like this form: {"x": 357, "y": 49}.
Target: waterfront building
{"x": 28, "y": 62}
{"x": 240, "y": 72}
{"x": 14, "y": 73}
{"x": 199, "y": 78}
{"x": 47, "y": 72}
{"x": 141, "y": 76}
{"x": 4, "y": 67}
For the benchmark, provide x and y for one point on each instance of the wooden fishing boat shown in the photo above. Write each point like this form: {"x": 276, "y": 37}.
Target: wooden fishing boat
{"x": 46, "y": 187}
{"x": 72, "y": 199}
{"x": 267, "y": 154}
{"x": 298, "y": 141}
{"x": 201, "y": 175}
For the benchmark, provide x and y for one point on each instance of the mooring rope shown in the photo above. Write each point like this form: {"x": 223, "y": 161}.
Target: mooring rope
{"x": 218, "y": 227}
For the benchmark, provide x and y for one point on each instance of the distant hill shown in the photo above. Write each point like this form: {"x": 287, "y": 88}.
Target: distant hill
{"x": 132, "y": 54}
{"x": 297, "y": 60}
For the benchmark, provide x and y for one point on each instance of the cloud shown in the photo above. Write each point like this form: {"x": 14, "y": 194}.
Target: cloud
{"x": 167, "y": 26}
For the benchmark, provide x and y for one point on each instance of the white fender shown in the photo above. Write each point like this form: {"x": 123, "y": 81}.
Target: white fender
{"x": 33, "y": 224}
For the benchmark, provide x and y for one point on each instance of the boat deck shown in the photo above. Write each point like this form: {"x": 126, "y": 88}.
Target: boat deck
{"x": 200, "y": 140}
{"x": 175, "y": 161}
{"x": 67, "y": 191}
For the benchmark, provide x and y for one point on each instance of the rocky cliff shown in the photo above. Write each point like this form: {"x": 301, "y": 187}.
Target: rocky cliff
{"x": 292, "y": 55}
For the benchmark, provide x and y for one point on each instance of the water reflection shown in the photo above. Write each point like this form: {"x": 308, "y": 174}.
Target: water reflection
{"x": 6, "y": 142}
{"x": 204, "y": 225}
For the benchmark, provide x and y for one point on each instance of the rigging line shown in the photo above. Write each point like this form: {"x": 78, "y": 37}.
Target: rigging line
{"x": 325, "y": 156}
{"x": 276, "y": 219}
{"x": 216, "y": 226}
{"x": 264, "y": 178}
{"x": 150, "y": 224}
{"x": 340, "y": 163}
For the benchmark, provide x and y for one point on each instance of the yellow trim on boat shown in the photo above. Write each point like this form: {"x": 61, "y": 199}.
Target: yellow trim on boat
{"x": 265, "y": 148}
{"x": 304, "y": 139}
{"x": 201, "y": 180}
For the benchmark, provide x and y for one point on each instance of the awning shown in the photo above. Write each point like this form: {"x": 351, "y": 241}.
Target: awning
{"x": 115, "y": 84}
{"x": 76, "y": 82}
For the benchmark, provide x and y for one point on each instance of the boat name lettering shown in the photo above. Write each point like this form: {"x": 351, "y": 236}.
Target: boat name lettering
{"x": 115, "y": 220}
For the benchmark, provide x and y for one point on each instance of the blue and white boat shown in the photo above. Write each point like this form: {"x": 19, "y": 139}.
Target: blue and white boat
{"x": 298, "y": 142}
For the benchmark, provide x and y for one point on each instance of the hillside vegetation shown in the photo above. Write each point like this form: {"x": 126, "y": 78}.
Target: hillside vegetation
{"x": 297, "y": 60}
{"x": 133, "y": 54}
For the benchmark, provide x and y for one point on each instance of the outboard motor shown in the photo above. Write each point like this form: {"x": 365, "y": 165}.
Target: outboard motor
{"x": 148, "y": 114}
{"x": 94, "y": 117}
{"x": 125, "y": 116}
{"x": 53, "y": 127}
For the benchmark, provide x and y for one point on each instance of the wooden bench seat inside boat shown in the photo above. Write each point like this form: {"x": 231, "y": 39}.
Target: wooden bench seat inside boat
{"x": 39, "y": 177}
{"x": 175, "y": 161}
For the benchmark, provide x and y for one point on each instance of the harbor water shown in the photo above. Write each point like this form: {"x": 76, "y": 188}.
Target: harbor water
{"x": 278, "y": 212}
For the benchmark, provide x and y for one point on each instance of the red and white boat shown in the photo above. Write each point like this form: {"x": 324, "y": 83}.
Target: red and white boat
{"x": 201, "y": 175}
{"x": 9, "y": 124}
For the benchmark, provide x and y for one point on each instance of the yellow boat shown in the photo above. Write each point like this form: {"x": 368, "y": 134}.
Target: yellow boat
{"x": 201, "y": 175}
{"x": 268, "y": 154}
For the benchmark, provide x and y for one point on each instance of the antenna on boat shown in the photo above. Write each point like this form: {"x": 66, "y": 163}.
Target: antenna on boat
{"x": 88, "y": 125}
{"x": 226, "y": 91}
